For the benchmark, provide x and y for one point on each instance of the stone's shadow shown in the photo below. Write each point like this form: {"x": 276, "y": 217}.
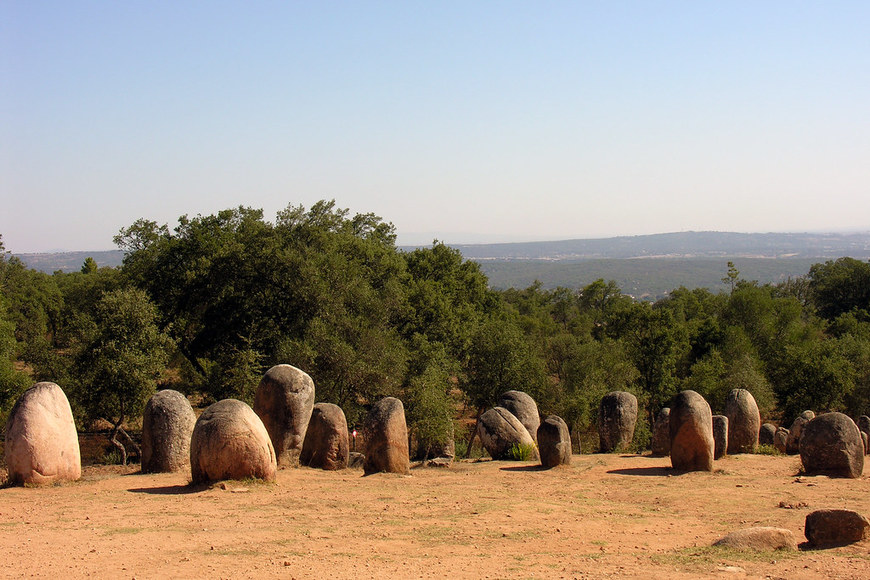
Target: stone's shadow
{"x": 525, "y": 468}
{"x": 171, "y": 489}
{"x": 807, "y": 547}
{"x": 646, "y": 471}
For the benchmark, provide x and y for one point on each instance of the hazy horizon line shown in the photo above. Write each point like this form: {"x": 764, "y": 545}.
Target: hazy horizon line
{"x": 468, "y": 239}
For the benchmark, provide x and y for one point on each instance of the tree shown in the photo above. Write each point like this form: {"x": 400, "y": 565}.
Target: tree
{"x": 732, "y": 276}
{"x": 652, "y": 341}
{"x": 499, "y": 360}
{"x": 118, "y": 365}
{"x": 595, "y": 369}
{"x": 12, "y": 382}
{"x": 841, "y": 286}
{"x": 89, "y": 266}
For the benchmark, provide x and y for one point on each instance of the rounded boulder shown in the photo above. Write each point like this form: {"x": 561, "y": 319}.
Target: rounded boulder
{"x": 744, "y": 421}
{"x": 523, "y": 407}
{"x": 284, "y": 401}
{"x": 326, "y": 444}
{"x": 617, "y": 416}
{"x": 554, "y": 442}
{"x": 42, "y": 444}
{"x": 661, "y": 439}
{"x": 386, "y": 437}
{"x": 500, "y": 430}
{"x": 766, "y": 434}
{"x": 229, "y": 441}
{"x": 167, "y": 424}
{"x": 760, "y": 539}
{"x": 829, "y": 528}
{"x": 720, "y": 436}
{"x": 691, "y": 429}
{"x": 831, "y": 445}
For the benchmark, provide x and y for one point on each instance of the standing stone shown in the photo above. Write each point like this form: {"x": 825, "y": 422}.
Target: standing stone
{"x": 661, "y": 439}
{"x": 744, "y": 421}
{"x": 831, "y": 445}
{"x": 829, "y": 528}
{"x": 167, "y": 424}
{"x": 792, "y": 446}
{"x": 617, "y": 416}
{"x": 524, "y": 408}
{"x": 284, "y": 401}
{"x": 42, "y": 444}
{"x": 554, "y": 442}
{"x": 780, "y": 439}
{"x": 326, "y": 444}
{"x": 386, "y": 438}
{"x": 721, "y": 427}
{"x": 499, "y": 431}
{"x": 691, "y": 428}
{"x": 864, "y": 427}
{"x": 229, "y": 441}
{"x": 766, "y": 434}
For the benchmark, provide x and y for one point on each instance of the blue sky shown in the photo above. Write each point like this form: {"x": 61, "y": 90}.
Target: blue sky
{"x": 465, "y": 121}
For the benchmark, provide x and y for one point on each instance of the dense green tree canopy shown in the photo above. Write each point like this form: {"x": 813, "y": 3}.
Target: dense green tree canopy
{"x": 331, "y": 293}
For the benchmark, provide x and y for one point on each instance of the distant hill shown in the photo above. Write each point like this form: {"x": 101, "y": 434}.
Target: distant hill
{"x": 643, "y": 266}
{"x": 70, "y": 261}
{"x": 648, "y": 267}
{"x": 680, "y": 245}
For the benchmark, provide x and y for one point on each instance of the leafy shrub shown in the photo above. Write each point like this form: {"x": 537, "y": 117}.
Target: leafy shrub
{"x": 767, "y": 450}
{"x": 522, "y": 452}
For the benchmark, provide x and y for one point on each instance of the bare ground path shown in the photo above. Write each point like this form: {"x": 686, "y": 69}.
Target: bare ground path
{"x": 604, "y": 516}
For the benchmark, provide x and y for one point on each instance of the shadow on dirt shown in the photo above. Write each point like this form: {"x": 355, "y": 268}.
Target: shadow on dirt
{"x": 646, "y": 471}
{"x": 525, "y": 468}
{"x": 171, "y": 489}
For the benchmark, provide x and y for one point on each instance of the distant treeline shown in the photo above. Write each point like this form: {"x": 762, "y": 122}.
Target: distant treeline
{"x": 641, "y": 278}
{"x": 207, "y": 306}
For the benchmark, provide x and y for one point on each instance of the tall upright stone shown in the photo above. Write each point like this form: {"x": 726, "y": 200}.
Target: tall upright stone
{"x": 780, "y": 440}
{"x": 167, "y": 425}
{"x": 326, "y": 443}
{"x": 721, "y": 427}
{"x": 524, "y": 408}
{"x": 744, "y": 421}
{"x": 42, "y": 444}
{"x": 284, "y": 401}
{"x": 691, "y": 427}
{"x": 554, "y": 442}
{"x": 386, "y": 437}
{"x": 617, "y": 416}
{"x": 661, "y": 438}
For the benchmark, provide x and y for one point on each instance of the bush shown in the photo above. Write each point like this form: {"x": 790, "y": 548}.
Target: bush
{"x": 522, "y": 452}
{"x": 767, "y": 450}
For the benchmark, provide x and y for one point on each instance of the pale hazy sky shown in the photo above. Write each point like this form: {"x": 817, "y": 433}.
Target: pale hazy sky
{"x": 466, "y": 121}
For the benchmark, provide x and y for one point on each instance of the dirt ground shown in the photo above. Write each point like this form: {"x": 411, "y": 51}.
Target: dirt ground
{"x": 603, "y": 516}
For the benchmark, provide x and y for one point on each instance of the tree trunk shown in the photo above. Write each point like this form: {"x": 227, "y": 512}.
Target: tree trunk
{"x": 473, "y": 434}
{"x": 113, "y": 438}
